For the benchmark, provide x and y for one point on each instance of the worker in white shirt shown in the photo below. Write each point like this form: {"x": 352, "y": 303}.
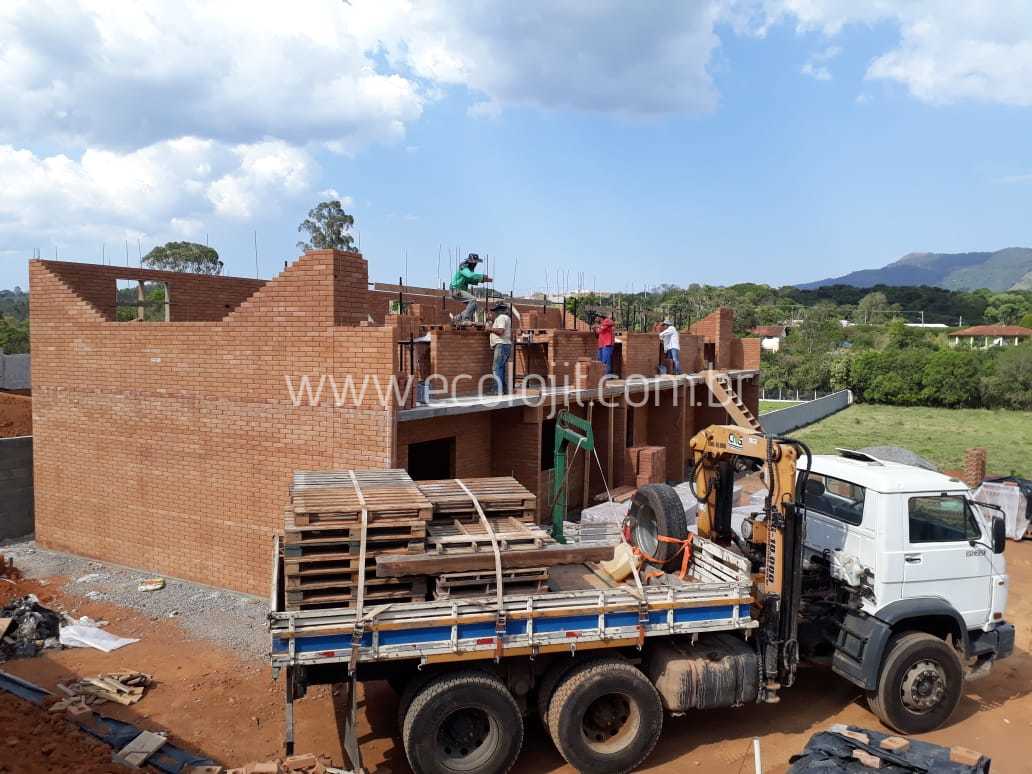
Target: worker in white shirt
{"x": 671, "y": 345}
{"x": 501, "y": 344}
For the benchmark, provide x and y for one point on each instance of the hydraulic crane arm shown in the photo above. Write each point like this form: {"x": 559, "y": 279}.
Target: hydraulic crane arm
{"x": 777, "y": 534}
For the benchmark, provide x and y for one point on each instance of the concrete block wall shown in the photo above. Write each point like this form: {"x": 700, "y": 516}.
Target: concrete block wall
{"x": 170, "y": 446}
{"x": 15, "y": 371}
{"x": 16, "y": 493}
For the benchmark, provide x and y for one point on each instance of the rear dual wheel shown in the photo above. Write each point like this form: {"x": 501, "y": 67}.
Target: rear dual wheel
{"x": 462, "y": 722}
{"x": 605, "y": 717}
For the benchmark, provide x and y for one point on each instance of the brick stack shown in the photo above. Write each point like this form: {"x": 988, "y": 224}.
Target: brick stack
{"x": 974, "y": 467}
{"x": 322, "y": 534}
{"x": 647, "y": 464}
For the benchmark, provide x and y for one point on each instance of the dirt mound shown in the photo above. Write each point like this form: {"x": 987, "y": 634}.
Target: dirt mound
{"x": 15, "y": 415}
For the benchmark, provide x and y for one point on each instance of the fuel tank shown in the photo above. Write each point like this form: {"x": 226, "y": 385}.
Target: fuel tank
{"x": 719, "y": 670}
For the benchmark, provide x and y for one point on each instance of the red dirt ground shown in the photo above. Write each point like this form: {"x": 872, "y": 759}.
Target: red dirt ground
{"x": 15, "y": 415}
{"x": 215, "y": 703}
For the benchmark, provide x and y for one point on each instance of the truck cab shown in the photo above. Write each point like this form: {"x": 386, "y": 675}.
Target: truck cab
{"x": 905, "y": 584}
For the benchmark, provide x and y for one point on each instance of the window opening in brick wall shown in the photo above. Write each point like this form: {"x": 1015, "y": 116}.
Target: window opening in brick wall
{"x": 548, "y": 444}
{"x": 431, "y": 460}
{"x": 142, "y": 301}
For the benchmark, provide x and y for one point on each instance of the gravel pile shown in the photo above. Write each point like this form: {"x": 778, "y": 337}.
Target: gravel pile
{"x": 236, "y": 621}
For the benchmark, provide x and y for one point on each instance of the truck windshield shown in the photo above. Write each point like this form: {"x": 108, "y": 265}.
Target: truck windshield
{"x": 834, "y": 497}
{"x": 941, "y": 519}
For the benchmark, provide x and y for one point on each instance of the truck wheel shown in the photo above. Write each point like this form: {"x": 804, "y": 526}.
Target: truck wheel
{"x": 605, "y": 717}
{"x": 408, "y": 693}
{"x": 546, "y": 686}
{"x": 463, "y": 722}
{"x": 920, "y": 684}
{"x": 657, "y": 510}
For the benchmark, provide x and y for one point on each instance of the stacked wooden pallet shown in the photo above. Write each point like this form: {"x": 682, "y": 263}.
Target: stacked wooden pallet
{"x": 499, "y": 497}
{"x": 323, "y": 532}
{"x": 458, "y": 585}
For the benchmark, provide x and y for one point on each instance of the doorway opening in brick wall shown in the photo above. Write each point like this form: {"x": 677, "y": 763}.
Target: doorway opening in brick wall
{"x": 547, "y": 444}
{"x": 431, "y": 460}
{"x": 709, "y": 354}
{"x": 140, "y": 301}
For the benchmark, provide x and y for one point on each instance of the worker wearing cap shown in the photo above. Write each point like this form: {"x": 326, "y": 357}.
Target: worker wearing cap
{"x": 501, "y": 344}
{"x": 464, "y": 278}
{"x": 606, "y": 340}
{"x": 671, "y": 345}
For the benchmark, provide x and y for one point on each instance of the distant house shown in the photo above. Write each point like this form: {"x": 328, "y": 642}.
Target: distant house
{"x": 985, "y": 336}
{"x": 771, "y": 336}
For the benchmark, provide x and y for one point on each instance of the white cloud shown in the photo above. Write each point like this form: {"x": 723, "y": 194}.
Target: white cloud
{"x": 817, "y": 66}
{"x": 593, "y": 55}
{"x": 167, "y": 187}
{"x": 127, "y": 75}
{"x": 948, "y": 52}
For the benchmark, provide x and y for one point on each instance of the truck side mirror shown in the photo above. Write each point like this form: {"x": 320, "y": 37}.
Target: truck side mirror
{"x": 999, "y": 534}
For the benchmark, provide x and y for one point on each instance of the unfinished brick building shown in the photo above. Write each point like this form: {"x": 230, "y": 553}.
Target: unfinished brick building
{"x": 169, "y": 445}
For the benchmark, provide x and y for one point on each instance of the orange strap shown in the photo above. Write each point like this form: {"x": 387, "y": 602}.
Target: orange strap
{"x": 685, "y": 551}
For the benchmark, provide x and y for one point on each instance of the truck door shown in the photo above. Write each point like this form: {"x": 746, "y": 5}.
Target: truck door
{"x": 938, "y": 559}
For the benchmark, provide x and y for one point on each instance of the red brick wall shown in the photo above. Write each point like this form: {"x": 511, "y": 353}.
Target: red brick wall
{"x": 193, "y": 297}
{"x": 718, "y": 328}
{"x": 455, "y": 352}
{"x": 751, "y": 351}
{"x": 472, "y": 433}
{"x": 563, "y": 351}
{"x": 169, "y": 446}
{"x": 639, "y": 354}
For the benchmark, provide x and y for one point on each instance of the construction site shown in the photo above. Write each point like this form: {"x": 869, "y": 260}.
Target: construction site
{"x": 583, "y": 552}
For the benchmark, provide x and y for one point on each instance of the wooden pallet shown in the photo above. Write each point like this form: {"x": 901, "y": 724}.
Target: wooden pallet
{"x": 351, "y": 531}
{"x": 389, "y": 590}
{"x": 498, "y": 496}
{"x": 341, "y": 558}
{"x": 330, "y": 496}
{"x": 460, "y": 537}
{"x": 530, "y": 580}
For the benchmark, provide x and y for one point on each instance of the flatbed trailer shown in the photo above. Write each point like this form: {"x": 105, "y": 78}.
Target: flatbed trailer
{"x": 408, "y": 642}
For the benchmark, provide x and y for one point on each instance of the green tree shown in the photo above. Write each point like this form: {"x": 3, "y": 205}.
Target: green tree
{"x": 951, "y": 378}
{"x": 1026, "y": 320}
{"x": 1010, "y": 384}
{"x": 820, "y": 331}
{"x": 874, "y": 308}
{"x": 327, "y": 226}
{"x": 1007, "y": 308}
{"x": 14, "y": 335}
{"x": 184, "y": 256}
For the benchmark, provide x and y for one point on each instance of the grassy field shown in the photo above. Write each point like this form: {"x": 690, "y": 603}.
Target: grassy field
{"x": 940, "y": 435}
{"x": 774, "y": 405}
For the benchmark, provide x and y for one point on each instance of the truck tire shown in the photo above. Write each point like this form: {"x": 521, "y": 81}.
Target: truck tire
{"x": 408, "y": 693}
{"x": 605, "y": 717}
{"x": 657, "y": 510}
{"x": 920, "y": 683}
{"x": 463, "y": 722}
{"x": 546, "y": 686}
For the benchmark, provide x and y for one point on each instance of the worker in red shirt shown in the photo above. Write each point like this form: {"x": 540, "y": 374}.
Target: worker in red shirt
{"x": 603, "y": 328}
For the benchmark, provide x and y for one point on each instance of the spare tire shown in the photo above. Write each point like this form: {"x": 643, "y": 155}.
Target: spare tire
{"x": 657, "y": 510}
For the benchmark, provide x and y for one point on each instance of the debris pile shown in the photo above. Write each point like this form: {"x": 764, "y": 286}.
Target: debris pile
{"x": 26, "y": 628}
{"x": 121, "y": 687}
{"x": 295, "y": 764}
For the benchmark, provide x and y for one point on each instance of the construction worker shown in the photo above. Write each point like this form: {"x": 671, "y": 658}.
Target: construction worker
{"x": 603, "y": 328}
{"x": 671, "y": 345}
{"x": 501, "y": 344}
{"x": 463, "y": 279}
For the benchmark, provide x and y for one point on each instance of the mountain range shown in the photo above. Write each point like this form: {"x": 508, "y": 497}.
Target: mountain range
{"x": 1007, "y": 269}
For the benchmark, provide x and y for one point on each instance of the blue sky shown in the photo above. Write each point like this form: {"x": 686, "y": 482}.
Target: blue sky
{"x": 774, "y": 142}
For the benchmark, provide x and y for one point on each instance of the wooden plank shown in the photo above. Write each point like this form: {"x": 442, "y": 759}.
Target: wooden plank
{"x": 435, "y": 564}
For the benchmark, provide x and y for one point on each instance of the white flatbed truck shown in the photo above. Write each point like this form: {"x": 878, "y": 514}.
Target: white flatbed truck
{"x": 601, "y": 665}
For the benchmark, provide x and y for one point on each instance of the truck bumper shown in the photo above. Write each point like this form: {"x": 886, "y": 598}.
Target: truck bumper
{"x": 997, "y": 644}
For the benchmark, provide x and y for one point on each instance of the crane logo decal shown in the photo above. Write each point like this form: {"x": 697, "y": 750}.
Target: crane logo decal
{"x": 734, "y": 441}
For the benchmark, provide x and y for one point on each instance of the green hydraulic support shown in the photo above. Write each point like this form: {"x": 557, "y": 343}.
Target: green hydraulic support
{"x": 567, "y": 426}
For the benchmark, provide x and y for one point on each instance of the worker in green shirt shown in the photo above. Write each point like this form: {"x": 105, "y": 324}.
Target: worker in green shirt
{"x": 465, "y": 277}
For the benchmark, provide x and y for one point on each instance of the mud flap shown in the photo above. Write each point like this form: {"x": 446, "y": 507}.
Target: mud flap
{"x": 859, "y": 647}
